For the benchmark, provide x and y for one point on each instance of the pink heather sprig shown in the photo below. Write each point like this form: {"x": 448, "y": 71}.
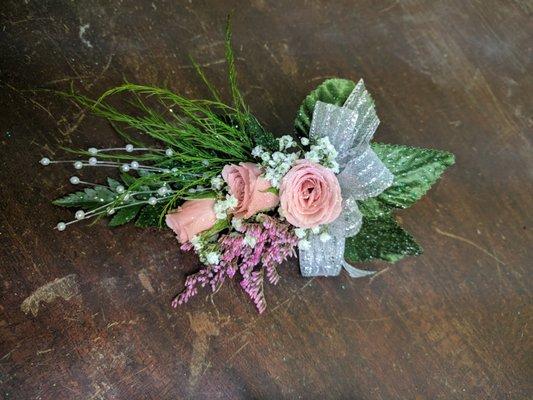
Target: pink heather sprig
{"x": 275, "y": 241}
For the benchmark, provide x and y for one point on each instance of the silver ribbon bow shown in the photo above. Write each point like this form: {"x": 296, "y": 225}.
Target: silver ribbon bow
{"x": 362, "y": 175}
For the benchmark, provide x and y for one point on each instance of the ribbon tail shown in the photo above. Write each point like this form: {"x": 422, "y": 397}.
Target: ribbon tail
{"x": 356, "y": 272}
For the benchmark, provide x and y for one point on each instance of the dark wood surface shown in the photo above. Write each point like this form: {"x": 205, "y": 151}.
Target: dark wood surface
{"x": 85, "y": 314}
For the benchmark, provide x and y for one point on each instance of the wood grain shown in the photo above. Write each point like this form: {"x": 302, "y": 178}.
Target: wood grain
{"x": 453, "y": 323}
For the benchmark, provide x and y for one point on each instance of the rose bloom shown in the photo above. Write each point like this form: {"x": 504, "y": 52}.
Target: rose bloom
{"x": 250, "y": 189}
{"x": 310, "y": 195}
{"x": 193, "y": 217}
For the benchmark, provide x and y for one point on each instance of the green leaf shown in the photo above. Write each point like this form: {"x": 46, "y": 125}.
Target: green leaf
{"x": 415, "y": 170}
{"x": 219, "y": 226}
{"x": 151, "y": 216}
{"x": 272, "y": 190}
{"x": 333, "y": 91}
{"x": 87, "y": 199}
{"x": 380, "y": 238}
{"x": 125, "y": 215}
{"x": 112, "y": 183}
{"x": 238, "y": 101}
{"x": 128, "y": 179}
{"x": 259, "y": 135}
{"x": 373, "y": 208}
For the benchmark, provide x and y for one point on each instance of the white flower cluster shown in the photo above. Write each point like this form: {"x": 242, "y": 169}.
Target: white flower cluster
{"x": 197, "y": 243}
{"x": 223, "y": 206}
{"x": 278, "y": 163}
{"x": 236, "y": 223}
{"x": 303, "y": 235}
{"x": 286, "y": 142}
{"x": 206, "y": 253}
{"x": 217, "y": 182}
{"x": 250, "y": 240}
{"x": 324, "y": 153}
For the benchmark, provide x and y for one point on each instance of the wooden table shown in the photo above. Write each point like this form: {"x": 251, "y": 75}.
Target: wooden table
{"x": 85, "y": 314}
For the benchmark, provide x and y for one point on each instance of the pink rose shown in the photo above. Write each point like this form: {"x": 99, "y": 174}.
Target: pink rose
{"x": 310, "y": 195}
{"x": 193, "y": 217}
{"x": 250, "y": 189}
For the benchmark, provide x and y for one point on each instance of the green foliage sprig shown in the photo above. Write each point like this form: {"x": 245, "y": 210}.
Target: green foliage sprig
{"x": 202, "y": 135}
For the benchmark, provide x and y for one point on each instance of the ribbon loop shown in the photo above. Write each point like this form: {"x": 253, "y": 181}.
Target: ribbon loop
{"x": 365, "y": 176}
{"x": 349, "y": 222}
{"x": 336, "y": 123}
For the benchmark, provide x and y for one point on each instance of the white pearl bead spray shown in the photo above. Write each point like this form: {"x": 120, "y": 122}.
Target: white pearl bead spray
{"x": 122, "y": 194}
{"x": 125, "y": 167}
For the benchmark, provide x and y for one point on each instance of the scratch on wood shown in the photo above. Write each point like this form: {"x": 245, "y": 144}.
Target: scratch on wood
{"x": 377, "y": 274}
{"x": 320, "y": 78}
{"x": 256, "y": 321}
{"x": 71, "y": 127}
{"x": 203, "y": 328}
{"x": 389, "y": 7}
{"x": 464, "y": 240}
{"x": 65, "y": 288}
{"x": 238, "y": 351}
{"x": 5, "y": 356}
{"x": 408, "y": 311}
{"x": 209, "y": 64}
{"x": 294, "y": 294}
{"x": 122, "y": 323}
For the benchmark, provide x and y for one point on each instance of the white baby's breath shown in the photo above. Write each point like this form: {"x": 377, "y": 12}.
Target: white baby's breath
{"x": 265, "y": 156}
{"x": 222, "y": 207}
{"x": 236, "y": 223}
{"x": 250, "y": 240}
{"x": 324, "y": 237}
{"x": 304, "y": 244}
{"x": 196, "y": 242}
{"x": 231, "y": 201}
{"x": 323, "y": 153}
{"x": 212, "y": 258}
{"x": 277, "y": 165}
{"x": 300, "y": 233}
{"x": 217, "y": 182}
{"x": 257, "y": 151}
{"x": 285, "y": 142}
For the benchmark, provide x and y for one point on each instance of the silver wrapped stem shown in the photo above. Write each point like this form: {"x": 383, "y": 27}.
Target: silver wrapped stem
{"x": 327, "y": 259}
{"x": 323, "y": 258}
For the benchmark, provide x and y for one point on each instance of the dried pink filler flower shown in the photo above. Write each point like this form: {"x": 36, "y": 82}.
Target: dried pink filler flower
{"x": 275, "y": 241}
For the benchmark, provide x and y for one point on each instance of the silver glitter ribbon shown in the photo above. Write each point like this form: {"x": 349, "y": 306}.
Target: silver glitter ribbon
{"x": 362, "y": 175}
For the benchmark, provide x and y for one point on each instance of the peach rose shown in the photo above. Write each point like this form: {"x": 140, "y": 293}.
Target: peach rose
{"x": 250, "y": 189}
{"x": 193, "y": 217}
{"x": 310, "y": 195}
